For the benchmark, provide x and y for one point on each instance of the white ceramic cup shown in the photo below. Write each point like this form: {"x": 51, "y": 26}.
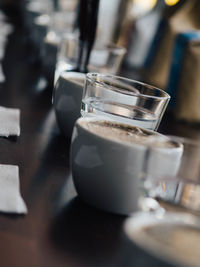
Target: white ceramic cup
{"x": 67, "y": 100}
{"x": 106, "y": 172}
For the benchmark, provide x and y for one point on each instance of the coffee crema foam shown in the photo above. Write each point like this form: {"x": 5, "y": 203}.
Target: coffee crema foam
{"x": 124, "y": 133}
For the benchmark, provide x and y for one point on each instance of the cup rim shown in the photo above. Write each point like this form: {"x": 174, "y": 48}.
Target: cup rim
{"x": 90, "y": 76}
{"x": 139, "y": 220}
{"x": 128, "y": 144}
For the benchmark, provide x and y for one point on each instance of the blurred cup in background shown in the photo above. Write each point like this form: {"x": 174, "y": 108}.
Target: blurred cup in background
{"x": 67, "y": 96}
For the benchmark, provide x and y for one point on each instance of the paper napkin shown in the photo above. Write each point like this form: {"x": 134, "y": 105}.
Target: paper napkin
{"x": 9, "y": 121}
{"x": 2, "y": 76}
{"x": 10, "y": 198}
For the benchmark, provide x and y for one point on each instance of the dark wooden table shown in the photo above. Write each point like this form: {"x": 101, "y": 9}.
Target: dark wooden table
{"x": 59, "y": 229}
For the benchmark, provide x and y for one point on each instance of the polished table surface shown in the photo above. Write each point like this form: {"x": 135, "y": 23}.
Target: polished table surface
{"x": 59, "y": 229}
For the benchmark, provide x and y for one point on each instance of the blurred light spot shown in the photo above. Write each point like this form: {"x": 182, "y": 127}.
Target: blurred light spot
{"x": 171, "y": 2}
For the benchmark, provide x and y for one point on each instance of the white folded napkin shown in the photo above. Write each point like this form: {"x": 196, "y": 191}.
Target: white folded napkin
{"x": 9, "y": 121}
{"x": 10, "y": 197}
{"x": 2, "y": 76}
{"x": 5, "y": 30}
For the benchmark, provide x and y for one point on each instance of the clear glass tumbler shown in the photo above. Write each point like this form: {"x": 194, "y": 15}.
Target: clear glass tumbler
{"x": 123, "y": 100}
{"x": 106, "y": 59}
{"x": 180, "y": 188}
{"x": 103, "y": 59}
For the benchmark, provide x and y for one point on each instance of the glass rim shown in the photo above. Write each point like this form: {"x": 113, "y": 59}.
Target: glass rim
{"x": 90, "y": 76}
{"x": 111, "y": 47}
{"x": 184, "y": 140}
{"x": 42, "y": 20}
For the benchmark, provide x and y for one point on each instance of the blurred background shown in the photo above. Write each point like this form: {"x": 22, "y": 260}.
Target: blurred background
{"x": 161, "y": 38}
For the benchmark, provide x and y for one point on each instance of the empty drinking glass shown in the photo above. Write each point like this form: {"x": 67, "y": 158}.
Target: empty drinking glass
{"x": 104, "y": 59}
